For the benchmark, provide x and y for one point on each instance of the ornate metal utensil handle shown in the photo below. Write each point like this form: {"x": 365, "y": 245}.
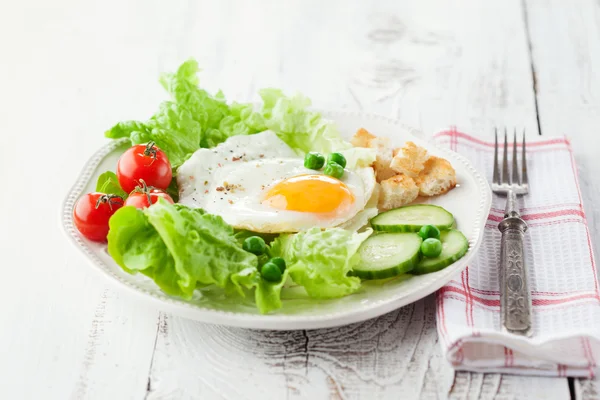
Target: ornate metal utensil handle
{"x": 515, "y": 298}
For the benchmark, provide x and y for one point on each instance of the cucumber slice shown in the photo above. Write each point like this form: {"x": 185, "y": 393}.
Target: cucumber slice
{"x": 412, "y": 218}
{"x": 388, "y": 254}
{"x": 454, "y": 246}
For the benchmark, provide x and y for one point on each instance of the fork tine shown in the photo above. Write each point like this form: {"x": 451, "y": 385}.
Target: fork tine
{"x": 515, "y": 163}
{"x": 524, "y": 179}
{"x": 496, "y": 178}
{"x": 505, "y": 174}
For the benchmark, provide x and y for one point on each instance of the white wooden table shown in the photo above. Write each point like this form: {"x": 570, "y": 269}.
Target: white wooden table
{"x": 70, "y": 69}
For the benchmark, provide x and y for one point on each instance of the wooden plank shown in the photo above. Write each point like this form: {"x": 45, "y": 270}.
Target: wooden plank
{"x": 587, "y": 389}
{"x": 376, "y": 359}
{"x": 566, "y": 57}
{"x": 497, "y": 387}
{"x": 447, "y": 63}
{"x": 71, "y": 70}
{"x": 74, "y": 68}
{"x": 118, "y": 351}
{"x": 566, "y": 50}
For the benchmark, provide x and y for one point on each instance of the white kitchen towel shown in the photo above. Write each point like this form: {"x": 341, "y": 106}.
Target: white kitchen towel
{"x": 560, "y": 262}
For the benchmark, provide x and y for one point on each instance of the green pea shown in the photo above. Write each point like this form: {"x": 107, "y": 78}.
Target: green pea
{"x": 255, "y": 245}
{"x": 280, "y": 262}
{"x": 271, "y": 272}
{"x": 429, "y": 231}
{"x": 334, "y": 170}
{"x": 338, "y": 158}
{"x": 314, "y": 160}
{"x": 431, "y": 247}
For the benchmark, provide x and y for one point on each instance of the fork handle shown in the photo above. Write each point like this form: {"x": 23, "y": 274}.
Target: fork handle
{"x": 515, "y": 298}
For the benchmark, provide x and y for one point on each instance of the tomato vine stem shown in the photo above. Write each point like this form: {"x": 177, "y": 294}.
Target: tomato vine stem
{"x": 150, "y": 151}
{"x": 108, "y": 199}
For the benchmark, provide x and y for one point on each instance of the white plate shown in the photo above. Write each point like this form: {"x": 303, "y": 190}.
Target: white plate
{"x": 470, "y": 203}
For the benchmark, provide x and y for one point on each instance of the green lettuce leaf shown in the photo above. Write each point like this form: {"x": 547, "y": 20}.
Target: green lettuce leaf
{"x": 302, "y": 129}
{"x": 207, "y": 110}
{"x": 320, "y": 260}
{"x": 181, "y": 248}
{"x": 203, "y": 246}
{"x": 359, "y": 157}
{"x": 242, "y": 120}
{"x": 195, "y": 118}
{"x": 109, "y": 183}
{"x": 172, "y": 128}
{"x": 267, "y": 295}
{"x": 136, "y": 246}
{"x": 126, "y": 128}
{"x": 217, "y": 119}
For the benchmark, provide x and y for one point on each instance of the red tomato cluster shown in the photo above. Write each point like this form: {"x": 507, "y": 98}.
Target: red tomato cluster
{"x": 143, "y": 171}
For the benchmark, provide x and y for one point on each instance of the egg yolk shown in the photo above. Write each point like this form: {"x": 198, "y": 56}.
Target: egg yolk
{"x": 309, "y": 193}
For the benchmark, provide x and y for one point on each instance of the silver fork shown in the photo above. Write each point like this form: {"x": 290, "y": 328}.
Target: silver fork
{"x": 515, "y": 298}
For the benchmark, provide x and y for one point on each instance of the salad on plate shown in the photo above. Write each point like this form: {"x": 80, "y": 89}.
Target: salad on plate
{"x": 254, "y": 201}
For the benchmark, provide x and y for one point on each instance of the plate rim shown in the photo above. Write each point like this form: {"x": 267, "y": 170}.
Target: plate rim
{"x": 276, "y": 321}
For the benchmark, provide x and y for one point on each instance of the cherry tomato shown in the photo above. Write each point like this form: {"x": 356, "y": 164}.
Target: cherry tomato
{"x": 92, "y": 212}
{"x": 146, "y": 162}
{"x": 143, "y": 196}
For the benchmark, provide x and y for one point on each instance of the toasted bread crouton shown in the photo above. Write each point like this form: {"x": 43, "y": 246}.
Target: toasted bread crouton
{"x": 397, "y": 191}
{"x": 438, "y": 177}
{"x": 409, "y": 160}
{"x": 363, "y": 138}
{"x": 382, "y": 167}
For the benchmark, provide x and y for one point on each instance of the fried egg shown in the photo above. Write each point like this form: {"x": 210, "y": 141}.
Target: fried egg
{"x": 259, "y": 183}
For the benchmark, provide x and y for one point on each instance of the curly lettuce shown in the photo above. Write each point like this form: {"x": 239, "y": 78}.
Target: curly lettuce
{"x": 194, "y": 118}
{"x": 182, "y": 249}
{"x": 302, "y": 129}
{"x": 207, "y": 110}
{"x": 173, "y": 129}
{"x": 320, "y": 260}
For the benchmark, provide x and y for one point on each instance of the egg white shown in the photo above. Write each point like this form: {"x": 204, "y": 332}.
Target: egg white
{"x": 232, "y": 179}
